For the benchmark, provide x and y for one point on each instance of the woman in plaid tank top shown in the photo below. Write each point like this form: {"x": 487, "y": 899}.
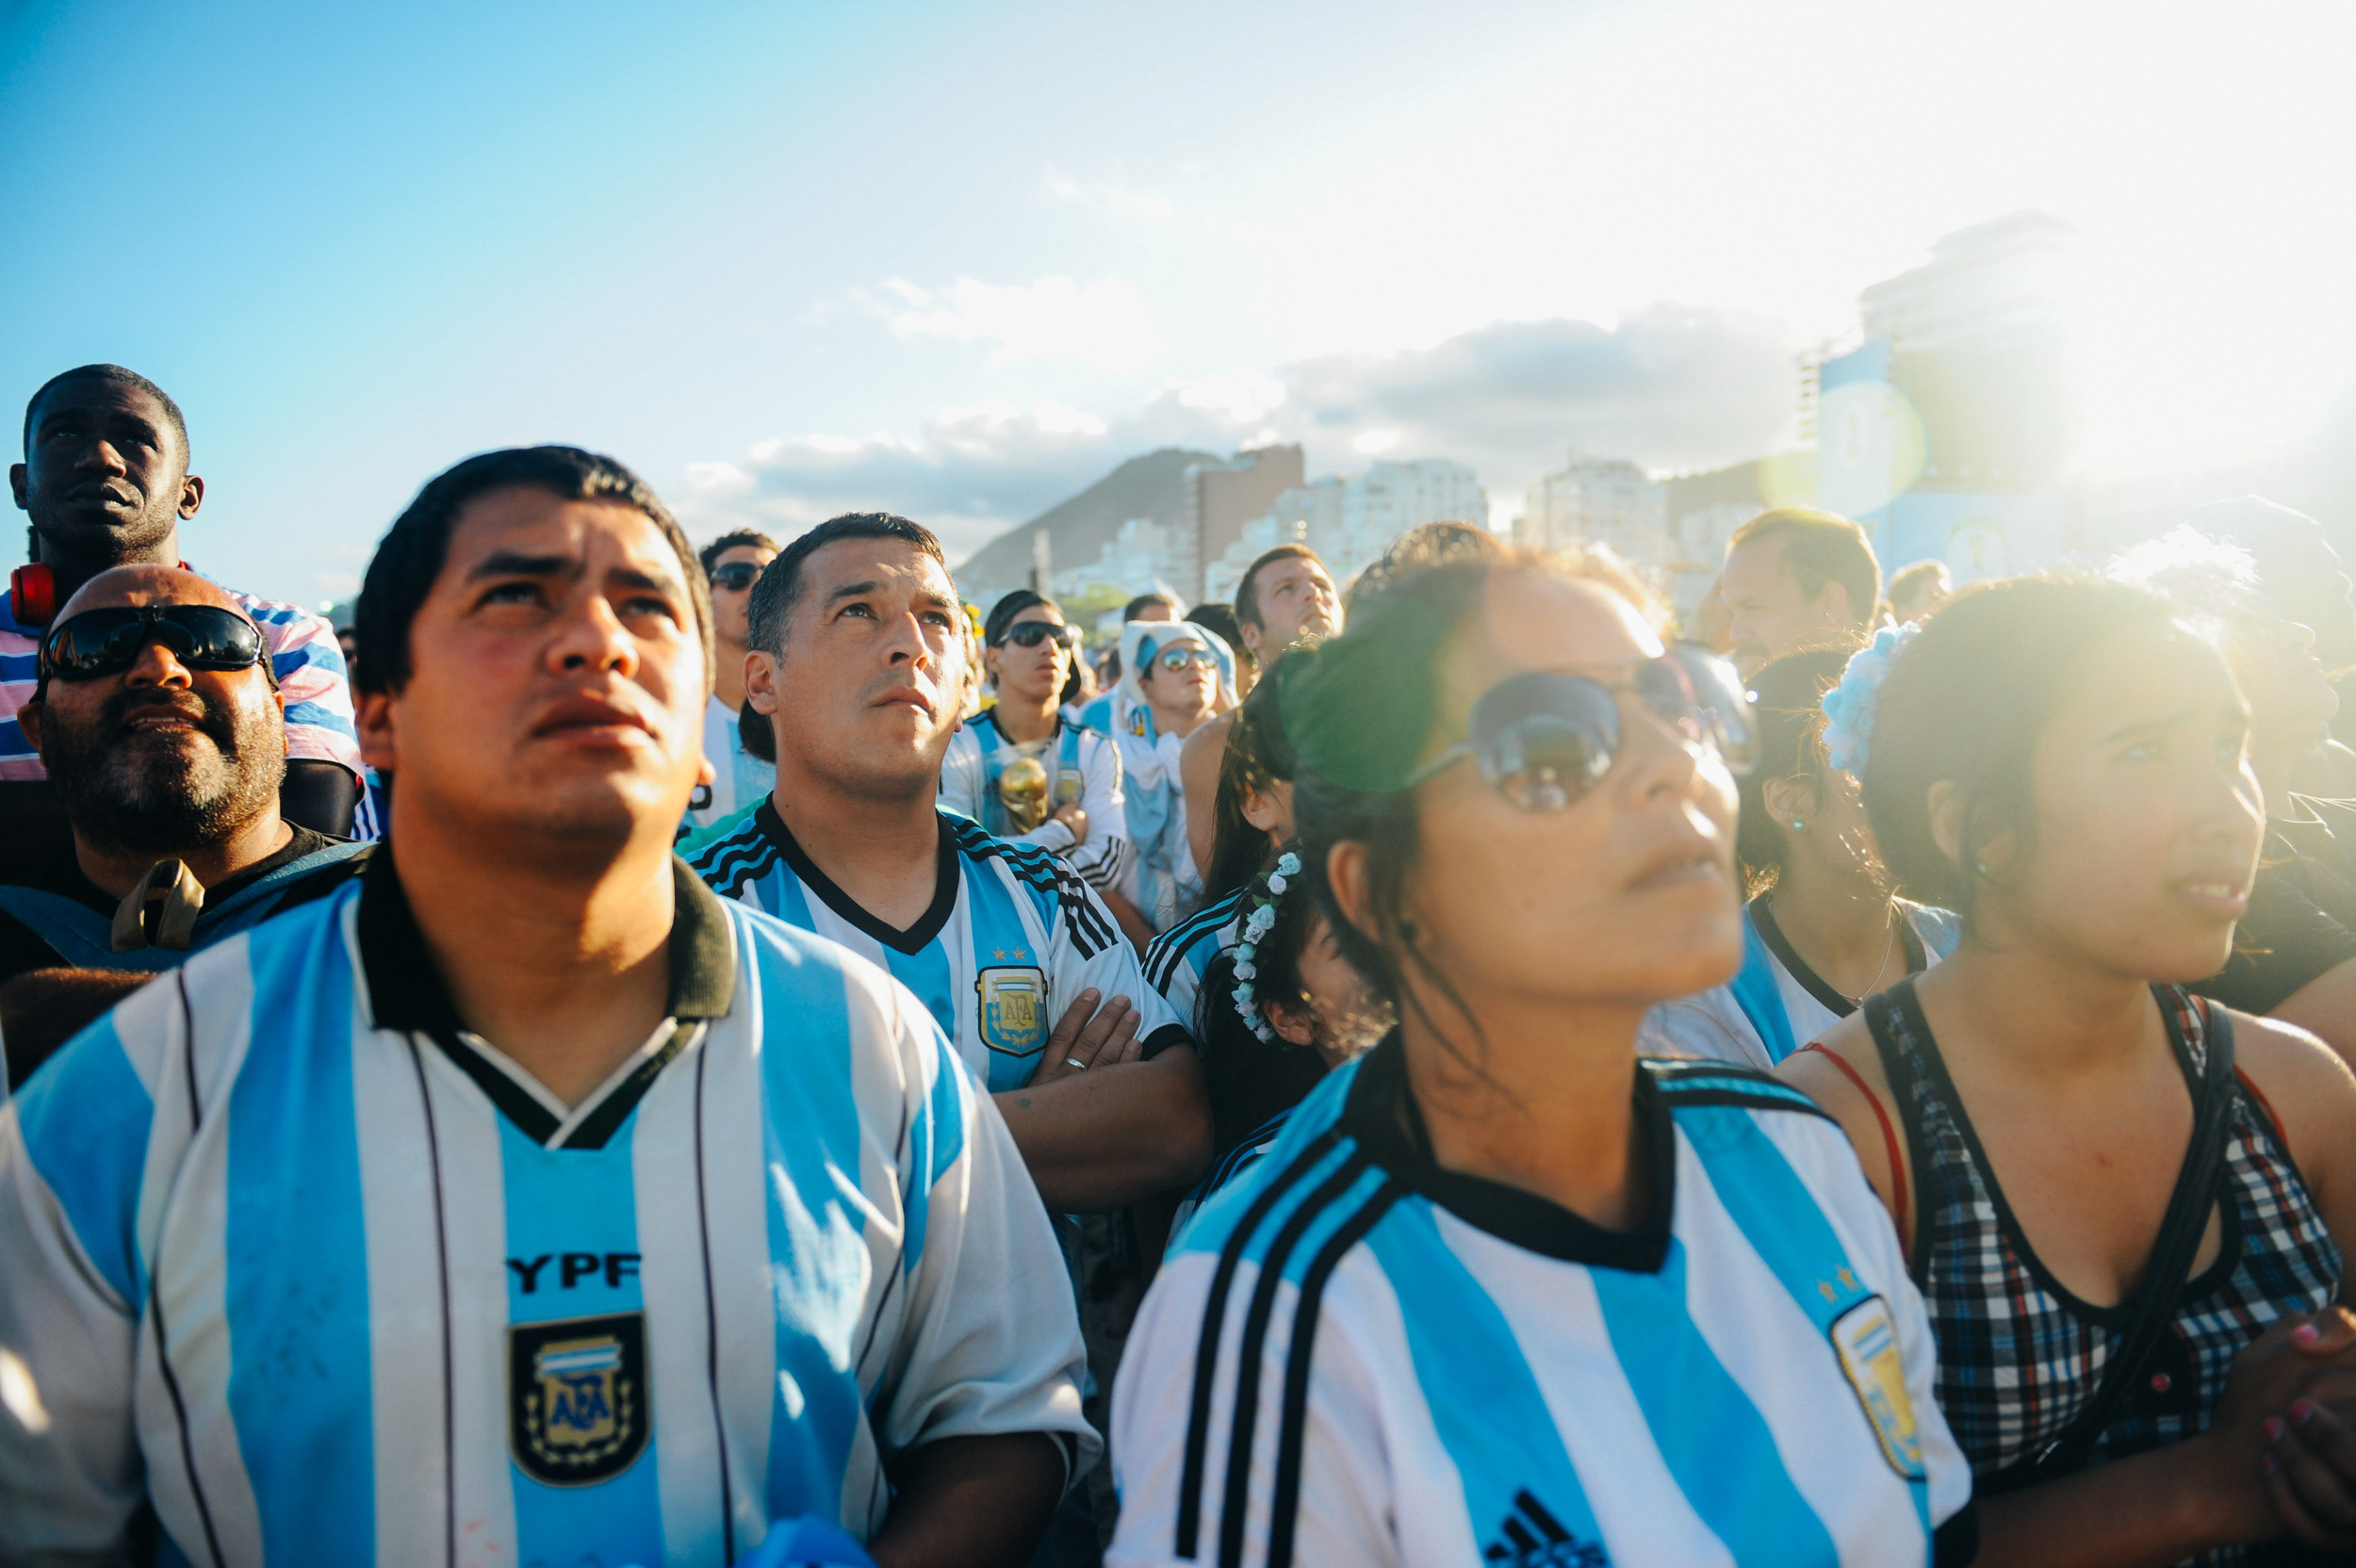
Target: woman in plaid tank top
{"x": 2064, "y": 763}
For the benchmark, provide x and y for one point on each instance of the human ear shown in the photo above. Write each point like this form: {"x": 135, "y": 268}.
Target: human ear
{"x": 1790, "y": 801}
{"x": 1946, "y": 804}
{"x": 1293, "y": 1025}
{"x": 191, "y": 495}
{"x": 1257, "y": 809}
{"x": 1345, "y": 874}
{"x": 28, "y": 717}
{"x": 372, "y": 717}
{"x": 760, "y": 681}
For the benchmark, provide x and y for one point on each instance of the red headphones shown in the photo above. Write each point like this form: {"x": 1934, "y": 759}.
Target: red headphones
{"x": 33, "y": 594}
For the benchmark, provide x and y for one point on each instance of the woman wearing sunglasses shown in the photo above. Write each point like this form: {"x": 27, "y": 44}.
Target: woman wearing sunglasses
{"x": 1025, "y": 771}
{"x": 1822, "y": 929}
{"x": 2120, "y": 1203}
{"x": 1175, "y": 675}
{"x": 1501, "y": 1292}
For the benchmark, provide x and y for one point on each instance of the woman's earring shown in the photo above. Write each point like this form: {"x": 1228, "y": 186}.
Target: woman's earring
{"x": 1798, "y": 827}
{"x": 1982, "y": 866}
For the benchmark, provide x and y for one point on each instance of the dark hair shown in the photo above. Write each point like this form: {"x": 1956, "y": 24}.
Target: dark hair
{"x": 736, "y": 538}
{"x": 1359, "y": 712}
{"x": 1247, "y": 589}
{"x": 1791, "y": 725}
{"x": 1819, "y": 548}
{"x": 1247, "y": 1079}
{"x": 1129, "y": 611}
{"x": 1221, "y": 619}
{"x": 1966, "y": 702}
{"x": 1424, "y": 546}
{"x": 410, "y": 555}
{"x": 1256, "y": 756}
{"x": 120, "y": 377}
{"x": 1001, "y": 614}
{"x": 780, "y": 583}
{"x": 1903, "y": 581}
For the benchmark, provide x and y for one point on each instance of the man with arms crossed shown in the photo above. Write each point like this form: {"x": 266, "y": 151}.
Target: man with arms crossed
{"x": 860, "y": 655}
{"x": 522, "y": 1202}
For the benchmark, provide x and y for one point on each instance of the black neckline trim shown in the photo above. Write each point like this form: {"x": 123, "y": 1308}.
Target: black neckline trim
{"x": 406, "y": 993}
{"x": 2114, "y": 1316}
{"x": 1381, "y": 1099}
{"x": 1763, "y": 920}
{"x": 912, "y": 941}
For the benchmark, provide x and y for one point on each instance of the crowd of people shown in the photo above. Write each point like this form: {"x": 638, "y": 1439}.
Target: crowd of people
{"x": 643, "y": 1054}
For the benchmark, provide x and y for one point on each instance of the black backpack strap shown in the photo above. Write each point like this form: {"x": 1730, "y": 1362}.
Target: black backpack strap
{"x": 2164, "y": 1275}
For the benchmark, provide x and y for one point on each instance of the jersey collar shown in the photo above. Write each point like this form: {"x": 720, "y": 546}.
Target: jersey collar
{"x": 912, "y": 941}
{"x": 1383, "y": 1116}
{"x": 406, "y": 993}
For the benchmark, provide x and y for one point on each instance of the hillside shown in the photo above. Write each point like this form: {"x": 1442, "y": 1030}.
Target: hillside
{"x": 1153, "y": 486}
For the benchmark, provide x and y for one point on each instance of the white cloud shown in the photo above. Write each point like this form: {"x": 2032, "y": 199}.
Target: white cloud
{"x": 1242, "y": 395}
{"x": 1105, "y": 325}
{"x": 1118, "y": 201}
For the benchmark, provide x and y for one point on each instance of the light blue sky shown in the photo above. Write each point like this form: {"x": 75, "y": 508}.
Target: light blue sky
{"x": 957, "y": 260}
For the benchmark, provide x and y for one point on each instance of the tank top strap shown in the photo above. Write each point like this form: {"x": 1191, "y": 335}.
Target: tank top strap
{"x": 1901, "y": 1039}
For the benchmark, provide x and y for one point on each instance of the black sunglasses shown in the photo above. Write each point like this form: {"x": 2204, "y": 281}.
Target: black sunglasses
{"x": 1543, "y": 739}
{"x": 736, "y": 576}
{"x": 1030, "y": 634}
{"x": 107, "y": 642}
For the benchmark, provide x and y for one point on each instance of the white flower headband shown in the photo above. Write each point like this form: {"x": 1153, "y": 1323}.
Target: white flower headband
{"x": 1850, "y": 708}
{"x": 1256, "y": 929}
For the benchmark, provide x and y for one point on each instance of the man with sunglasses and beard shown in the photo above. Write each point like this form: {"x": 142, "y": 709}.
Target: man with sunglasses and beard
{"x": 157, "y": 716}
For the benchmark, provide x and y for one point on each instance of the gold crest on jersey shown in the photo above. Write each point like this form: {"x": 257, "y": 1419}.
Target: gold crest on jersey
{"x": 578, "y": 1411}
{"x": 1866, "y": 1340}
{"x": 1013, "y": 1008}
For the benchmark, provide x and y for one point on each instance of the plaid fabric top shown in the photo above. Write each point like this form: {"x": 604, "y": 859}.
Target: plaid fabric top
{"x": 2018, "y": 1355}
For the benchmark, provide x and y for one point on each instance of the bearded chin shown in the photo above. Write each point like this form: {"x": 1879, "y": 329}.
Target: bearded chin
{"x": 140, "y": 801}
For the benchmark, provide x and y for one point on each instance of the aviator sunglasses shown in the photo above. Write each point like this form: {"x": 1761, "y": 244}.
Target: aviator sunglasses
{"x": 1178, "y": 658}
{"x": 107, "y": 642}
{"x": 736, "y": 576}
{"x": 1542, "y": 738}
{"x": 1030, "y": 634}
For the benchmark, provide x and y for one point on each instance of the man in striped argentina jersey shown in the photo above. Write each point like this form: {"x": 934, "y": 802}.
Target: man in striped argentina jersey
{"x": 859, "y": 658}
{"x": 106, "y": 482}
{"x": 522, "y": 1202}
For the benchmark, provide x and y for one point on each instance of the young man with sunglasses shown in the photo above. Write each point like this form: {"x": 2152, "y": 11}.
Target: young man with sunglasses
{"x": 106, "y": 483}
{"x": 1026, "y": 772}
{"x": 521, "y": 1202}
{"x": 155, "y": 712}
{"x": 732, "y": 564}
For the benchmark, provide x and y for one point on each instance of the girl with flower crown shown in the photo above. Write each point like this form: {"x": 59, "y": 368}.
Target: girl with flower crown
{"x": 2125, "y": 1206}
{"x": 1502, "y": 1292}
{"x": 1823, "y": 930}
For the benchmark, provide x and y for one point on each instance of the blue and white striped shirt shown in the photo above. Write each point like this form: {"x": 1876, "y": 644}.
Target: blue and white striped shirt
{"x": 1012, "y": 937}
{"x": 332, "y": 1280}
{"x": 1352, "y": 1355}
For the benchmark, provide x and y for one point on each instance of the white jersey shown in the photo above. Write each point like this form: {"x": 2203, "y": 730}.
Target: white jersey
{"x": 1353, "y": 1356}
{"x": 332, "y": 1280}
{"x": 1720, "y": 1021}
{"x": 1083, "y": 768}
{"x": 1011, "y": 939}
{"x": 739, "y": 776}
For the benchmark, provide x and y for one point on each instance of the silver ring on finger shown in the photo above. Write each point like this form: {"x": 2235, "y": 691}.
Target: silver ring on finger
{"x": 1075, "y": 1062}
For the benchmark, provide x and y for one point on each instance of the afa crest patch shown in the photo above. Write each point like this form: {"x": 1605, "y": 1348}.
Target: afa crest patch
{"x": 1866, "y": 1340}
{"x": 578, "y": 1411}
{"x": 1013, "y": 1008}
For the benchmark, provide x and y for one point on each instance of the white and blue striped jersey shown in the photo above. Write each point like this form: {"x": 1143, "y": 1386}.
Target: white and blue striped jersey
{"x": 1176, "y": 961}
{"x": 1012, "y": 937}
{"x": 332, "y": 1280}
{"x": 1352, "y": 1355}
{"x": 1083, "y": 768}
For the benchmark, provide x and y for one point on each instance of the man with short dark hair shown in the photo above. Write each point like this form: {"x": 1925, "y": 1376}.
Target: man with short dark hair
{"x": 106, "y": 480}
{"x": 860, "y": 661}
{"x": 164, "y": 735}
{"x": 1285, "y": 597}
{"x": 1793, "y": 575}
{"x": 1916, "y": 591}
{"x": 521, "y": 1202}
{"x": 732, "y": 564}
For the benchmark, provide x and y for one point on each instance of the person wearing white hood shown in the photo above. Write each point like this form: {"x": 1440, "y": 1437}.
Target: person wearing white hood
{"x": 1174, "y": 675}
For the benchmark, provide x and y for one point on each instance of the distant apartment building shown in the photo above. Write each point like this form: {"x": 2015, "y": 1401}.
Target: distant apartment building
{"x": 1220, "y": 498}
{"x": 1141, "y": 558}
{"x": 1597, "y": 500}
{"x": 1350, "y": 522}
